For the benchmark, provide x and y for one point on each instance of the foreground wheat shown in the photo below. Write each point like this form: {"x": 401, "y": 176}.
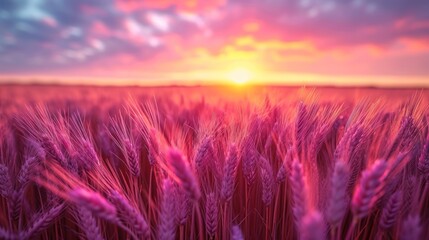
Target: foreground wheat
{"x": 158, "y": 170}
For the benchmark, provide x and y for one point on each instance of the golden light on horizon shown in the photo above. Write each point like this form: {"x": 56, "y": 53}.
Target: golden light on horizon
{"x": 240, "y": 76}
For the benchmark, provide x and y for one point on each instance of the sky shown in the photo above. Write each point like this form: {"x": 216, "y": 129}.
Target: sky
{"x": 335, "y": 42}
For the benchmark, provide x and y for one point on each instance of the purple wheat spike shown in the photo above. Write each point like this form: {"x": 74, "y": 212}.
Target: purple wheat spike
{"x": 52, "y": 149}
{"x": 300, "y": 125}
{"x": 31, "y": 161}
{"x": 183, "y": 205}
{"x": 88, "y": 157}
{"x": 42, "y": 222}
{"x": 96, "y": 203}
{"x": 27, "y": 170}
{"x": 212, "y": 210}
{"x": 409, "y": 198}
{"x": 267, "y": 178}
{"x": 229, "y": 173}
{"x": 285, "y": 166}
{"x": 132, "y": 158}
{"x": 368, "y": 189}
{"x": 411, "y": 229}
{"x": 391, "y": 211}
{"x": 205, "y": 151}
{"x": 250, "y": 155}
{"x": 88, "y": 224}
{"x": 338, "y": 201}
{"x": 153, "y": 146}
{"x": 6, "y": 234}
{"x": 423, "y": 164}
{"x": 6, "y": 188}
{"x": 236, "y": 233}
{"x": 167, "y": 223}
{"x": 281, "y": 174}
{"x": 299, "y": 194}
{"x": 404, "y": 132}
{"x": 313, "y": 227}
{"x": 184, "y": 174}
{"x": 129, "y": 214}
{"x": 249, "y": 163}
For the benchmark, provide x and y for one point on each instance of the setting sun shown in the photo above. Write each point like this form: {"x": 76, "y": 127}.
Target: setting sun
{"x": 240, "y": 75}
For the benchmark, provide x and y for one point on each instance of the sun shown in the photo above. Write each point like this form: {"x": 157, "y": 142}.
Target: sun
{"x": 240, "y": 76}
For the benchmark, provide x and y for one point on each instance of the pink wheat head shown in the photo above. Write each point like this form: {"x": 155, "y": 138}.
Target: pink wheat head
{"x": 184, "y": 174}
{"x": 183, "y": 205}
{"x": 88, "y": 223}
{"x": 368, "y": 190}
{"x": 6, "y": 234}
{"x": 281, "y": 174}
{"x": 27, "y": 169}
{"x": 88, "y": 156}
{"x": 130, "y": 214}
{"x": 267, "y": 178}
{"x": 153, "y": 146}
{"x": 53, "y": 150}
{"x": 6, "y": 188}
{"x": 133, "y": 160}
{"x": 391, "y": 211}
{"x": 212, "y": 212}
{"x": 339, "y": 199}
{"x": 236, "y": 233}
{"x": 299, "y": 193}
{"x": 249, "y": 162}
{"x": 96, "y": 203}
{"x": 411, "y": 228}
{"x": 313, "y": 227}
{"x": 42, "y": 222}
{"x": 204, "y": 153}
{"x": 229, "y": 173}
{"x": 167, "y": 218}
{"x": 285, "y": 166}
{"x": 423, "y": 164}
{"x": 403, "y": 136}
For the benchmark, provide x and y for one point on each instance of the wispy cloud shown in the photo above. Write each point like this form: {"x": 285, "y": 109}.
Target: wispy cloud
{"x": 131, "y": 37}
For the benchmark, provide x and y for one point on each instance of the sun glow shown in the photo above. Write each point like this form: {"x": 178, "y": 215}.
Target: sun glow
{"x": 240, "y": 76}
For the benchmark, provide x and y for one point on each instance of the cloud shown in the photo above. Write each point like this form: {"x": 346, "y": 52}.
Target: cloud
{"x": 50, "y": 35}
{"x": 330, "y": 24}
{"x": 180, "y": 5}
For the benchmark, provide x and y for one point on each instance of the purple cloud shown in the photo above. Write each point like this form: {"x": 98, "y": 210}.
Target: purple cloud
{"x": 40, "y": 36}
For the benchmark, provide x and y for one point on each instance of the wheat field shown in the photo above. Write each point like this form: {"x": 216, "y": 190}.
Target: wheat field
{"x": 213, "y": 163}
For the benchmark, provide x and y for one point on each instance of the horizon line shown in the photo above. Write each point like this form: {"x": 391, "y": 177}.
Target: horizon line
{"x": 210, "y": 84}
{"x": 287, "y": 80}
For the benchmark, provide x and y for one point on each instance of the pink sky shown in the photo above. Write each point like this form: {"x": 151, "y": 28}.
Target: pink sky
{"x": 356, "y": 42}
